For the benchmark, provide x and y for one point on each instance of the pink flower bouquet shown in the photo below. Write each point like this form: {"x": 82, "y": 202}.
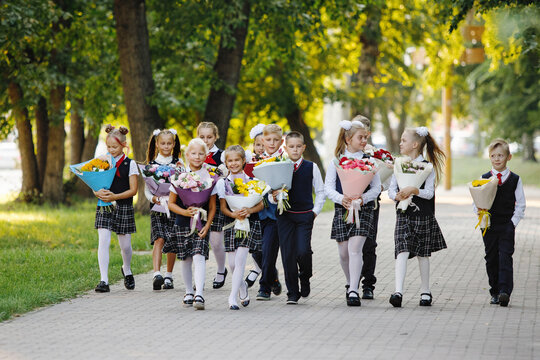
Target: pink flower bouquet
{"x": 195, "y": 189}
{"x": 158, "y": 180}
{"x": 355, "y": 176}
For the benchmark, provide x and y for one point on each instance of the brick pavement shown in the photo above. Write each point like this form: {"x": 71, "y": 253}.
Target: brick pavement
{"x": 460, "y": 325}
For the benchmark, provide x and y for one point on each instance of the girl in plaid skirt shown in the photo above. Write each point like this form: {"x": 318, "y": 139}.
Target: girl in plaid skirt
{"x": 119, "y": 218}
{"x": 208, "y": 132}
{"x": 192, "y": 248}
{"x": 239, "y": 248}
{"x": 417, "y": 232}
{"x": 351, "y": 142}
{"x": 163, "y": 149}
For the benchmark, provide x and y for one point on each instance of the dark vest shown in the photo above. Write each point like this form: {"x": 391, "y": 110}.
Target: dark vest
{"x": 154, "y": 162}
{"x": 121, "y": 183}
{"x": 217, "y": 157}
{"x": 301, "y": 192}
{"x": 427, "y": 207}
{"x": 339, "y": 189}
{"x": 504, "y": 204}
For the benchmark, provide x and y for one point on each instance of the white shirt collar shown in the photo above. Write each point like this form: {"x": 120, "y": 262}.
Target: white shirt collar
{"x": 298, "y": 162}
{"x": 163, "y": 160}
{"x": 214, "y": 149}
{"x": 503, "y": 173}
{"x": 116, "y": 158}
{"x": 420, "y": 158}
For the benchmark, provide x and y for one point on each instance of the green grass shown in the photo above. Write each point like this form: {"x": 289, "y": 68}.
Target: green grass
{"x": 49, "y": 254}
{"x": 467, "y": 169}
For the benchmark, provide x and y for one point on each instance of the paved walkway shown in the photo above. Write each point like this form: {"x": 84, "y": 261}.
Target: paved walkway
{"x": 143, "y": 324}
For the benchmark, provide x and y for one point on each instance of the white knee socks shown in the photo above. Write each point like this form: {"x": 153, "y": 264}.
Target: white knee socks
{"x": 187, "y": 274}
{"x": 401, "y": 270}
{"x": 199, "y": 265}
{"x": 355, "y": 246}
{"x": 240, "y": 258}
{"x": 423, "y": 264}
{"x": 127, "y": 252}
{"x": 343, "y": 251}
{"x": 104, "y": 236}
{"x": 218, "y": 247}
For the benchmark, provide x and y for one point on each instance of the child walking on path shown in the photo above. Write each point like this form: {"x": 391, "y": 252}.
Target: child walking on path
{"x": 238, "y": 247}
{"x": 192, "y": 248}
{"x": 163, "y": 149}
{"x": 296, "y": 224}
{"x": 121, "y": 218}
{"x": 350, "y": 238}
{"x": 417, "y": 232}
{"x": 507, "y": 210}
{"x": 208, "y": 132}
{"x": 272, "y": 139}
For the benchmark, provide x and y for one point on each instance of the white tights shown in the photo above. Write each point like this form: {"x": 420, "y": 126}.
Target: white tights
{"x": 350, "y": 258}
{"x": 237, "y": 263}
{"x": 401, "y": 271}
{"x": 218, "y": 247}
{"x": 124, "y": 241}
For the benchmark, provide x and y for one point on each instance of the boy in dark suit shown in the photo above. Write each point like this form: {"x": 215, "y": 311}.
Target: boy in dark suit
{"x": 296, "y": 224}
{"x": 507, "y": 210}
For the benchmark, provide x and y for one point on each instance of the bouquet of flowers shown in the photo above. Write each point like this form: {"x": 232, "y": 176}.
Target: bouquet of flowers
{"x": 410, "y": 173}
{"x": 194, "y": 189}
{"x": 243, "y": 193}
{"x": 97, "y": 173}
{"x": 277, "y": 172}
{"x": 355, "y": 176}
{"x": 158, "y": 180}
{"x": 483, "y": 192}
{"x": 385, "y": 164}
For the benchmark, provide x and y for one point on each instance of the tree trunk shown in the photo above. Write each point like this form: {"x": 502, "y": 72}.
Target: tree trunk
{"x": 54, "y": 173}
{"x": 42, "y": 137}
{"x": 137, "y": 81}
{"x": 30, "y": 179}
{"x": 296, "y": 122}
{"x": 528, "y": 147}
{"x": 227, "y": 68}
{"x": 77, "y": 131}
{"x": 388, "y": 133}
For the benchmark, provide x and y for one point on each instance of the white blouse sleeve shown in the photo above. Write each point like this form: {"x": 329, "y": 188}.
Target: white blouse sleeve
{"x": 330, "y": 184}
{"x": 429, "y": 188}
{"x": 133, "y": 169}
{"x": 393, "y": 188}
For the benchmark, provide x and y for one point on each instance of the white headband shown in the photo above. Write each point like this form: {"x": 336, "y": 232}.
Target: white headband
{"x": 422, "y": 131}
{"x": 256, "y": 131}
{"x": 158, "y": 131}
{"x": 347, "y": 125}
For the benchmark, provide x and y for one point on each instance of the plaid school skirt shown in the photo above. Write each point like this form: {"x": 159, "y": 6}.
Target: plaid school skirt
{"x": 184, "y": 245}
{"x": 161, "y": 226}
{"x": 341, "y": 231}
{"x": 253, "y": 240}
{"x": 417, "y": 235}
{"x": 219, "y": 219}
{"x": 119, "y": 219}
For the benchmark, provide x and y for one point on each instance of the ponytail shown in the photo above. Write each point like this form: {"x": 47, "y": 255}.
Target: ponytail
{"x": 151, "y": 151}
{"x": 434, "y": 153}
{"x": 176, "y": 149}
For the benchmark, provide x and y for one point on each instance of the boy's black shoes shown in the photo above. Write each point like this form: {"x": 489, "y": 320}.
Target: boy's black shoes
{"x": 262, "y": 295}
{"x": 292, "y": 300}
{"x": 494, "y": 300}
{"x": 129, "y": 280}
{"x": 305, "y": 288}
{"x": 158, "y": 282}
{"x": 504, "y": 298}
{"x": 367, "y": 294}
{"x": 102, "y": 287}
{"x": 395, "y": 299}
{"x": 276, "y": 288}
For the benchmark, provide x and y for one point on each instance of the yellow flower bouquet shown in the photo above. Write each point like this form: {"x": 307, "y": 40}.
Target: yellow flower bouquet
{"x": 483, "y": 192}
